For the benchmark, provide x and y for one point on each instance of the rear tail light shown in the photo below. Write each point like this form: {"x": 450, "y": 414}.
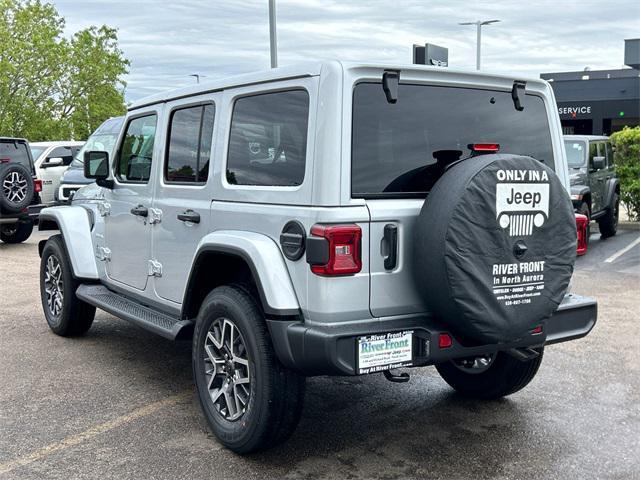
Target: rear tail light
{"x": 582, "y": 223}
{"x": 37, "y": 186}
{"x": 5, "y": 160}
{"x": 340, "y": 253}
{"x": 537, "y": 330}
{"x": 445, "y": 340}
{"x": 485, "y": 147}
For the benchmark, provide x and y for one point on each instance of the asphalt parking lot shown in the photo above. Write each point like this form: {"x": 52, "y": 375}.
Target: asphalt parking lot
{"x": 120, "y": 403}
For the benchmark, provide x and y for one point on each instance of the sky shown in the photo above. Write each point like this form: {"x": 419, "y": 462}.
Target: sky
{"x": 166, "y": 41}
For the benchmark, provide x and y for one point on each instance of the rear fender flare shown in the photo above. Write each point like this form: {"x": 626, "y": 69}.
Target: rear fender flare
{"x": 75, "y": 225}
{"x": 265, "y": 260}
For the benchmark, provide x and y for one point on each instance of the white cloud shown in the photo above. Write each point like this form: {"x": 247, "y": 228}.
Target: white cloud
{"x": 167, "y": 41}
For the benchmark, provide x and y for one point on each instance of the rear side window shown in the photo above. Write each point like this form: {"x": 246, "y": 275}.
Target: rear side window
{"x": 404, "y": 148}
{"x": 136, "y": 152}
{"x": 189, "y": 150}
{"x": 609, "y": 154}
{"x": 268, "y": 139}
{"x": 14, "y": 152}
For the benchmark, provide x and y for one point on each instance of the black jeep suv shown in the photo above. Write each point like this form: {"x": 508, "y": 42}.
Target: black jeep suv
{"x": 19, "y": 191}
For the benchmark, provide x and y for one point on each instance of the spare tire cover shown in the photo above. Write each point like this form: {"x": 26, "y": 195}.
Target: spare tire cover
{"x": 496, "y": 245}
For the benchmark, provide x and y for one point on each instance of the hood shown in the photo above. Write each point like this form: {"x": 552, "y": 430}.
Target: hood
{"x": 578, "y": 176}
{"x": 74, "y": 175}
{"x": 88, "y": 192}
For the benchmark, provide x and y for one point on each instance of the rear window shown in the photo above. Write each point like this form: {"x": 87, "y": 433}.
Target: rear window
{"x": 576, "y": 153}
{"x": 402, "y": 149}
{"x": 14, "y": 152}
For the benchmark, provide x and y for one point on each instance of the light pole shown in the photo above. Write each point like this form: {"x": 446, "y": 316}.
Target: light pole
{"x": 479, "y": 25}
{"x": 273, "y": 39}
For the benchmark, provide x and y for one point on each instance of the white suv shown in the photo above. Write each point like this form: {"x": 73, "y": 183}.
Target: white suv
{"x": 332, "y": 218}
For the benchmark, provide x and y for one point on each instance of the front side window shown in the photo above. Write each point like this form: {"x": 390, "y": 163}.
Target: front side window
{"x": 403, "y": 148}
{"x": 268, "y": 139}
{"x": 189, "y": 151}
{"x": 136, "y": 152}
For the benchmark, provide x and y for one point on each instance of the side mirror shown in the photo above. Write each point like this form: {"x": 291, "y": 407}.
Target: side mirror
{"x": 96, "y": 166}
{"x": 597, "y": 163}
{"x": 52, "y": 162}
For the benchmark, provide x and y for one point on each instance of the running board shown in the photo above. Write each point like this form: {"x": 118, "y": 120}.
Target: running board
{"x": 126, "y": 309}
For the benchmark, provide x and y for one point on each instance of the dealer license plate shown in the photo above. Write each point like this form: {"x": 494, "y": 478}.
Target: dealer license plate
{"x": 384, "y": 351}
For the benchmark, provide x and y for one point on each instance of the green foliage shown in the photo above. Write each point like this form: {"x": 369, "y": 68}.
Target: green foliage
{"x": 626, "y": 144}
{"x": 52, "y": 87}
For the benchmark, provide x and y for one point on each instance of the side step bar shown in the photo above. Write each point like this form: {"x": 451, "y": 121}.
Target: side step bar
{"x": 122, "y": 307}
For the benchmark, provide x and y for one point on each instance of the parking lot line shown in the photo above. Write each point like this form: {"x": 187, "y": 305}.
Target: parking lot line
{"x": 79, "y": 438}
{"x": 622, "y": 251}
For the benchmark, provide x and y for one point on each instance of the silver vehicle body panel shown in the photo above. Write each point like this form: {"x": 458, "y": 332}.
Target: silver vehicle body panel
{"x": 73, "y": 223}
{"x": 250, "y": 219}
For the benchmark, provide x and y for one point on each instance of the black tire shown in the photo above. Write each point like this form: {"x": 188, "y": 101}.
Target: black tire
{"x": 74, "y": 316}
{"x": 608, "y": 224}
{"x": 16, "y": 232}
{"x": 16, "y": 188}
{"x": 504, "y": 376}
{"x": 586, "y": 211}
{"x": 274, "y": 404}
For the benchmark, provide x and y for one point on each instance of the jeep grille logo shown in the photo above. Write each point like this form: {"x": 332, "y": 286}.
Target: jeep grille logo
{"x": 519, "y": 205}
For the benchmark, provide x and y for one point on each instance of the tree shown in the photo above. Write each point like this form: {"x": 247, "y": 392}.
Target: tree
{"x": 626, "y": 144}
{"x": 52, "y": 87}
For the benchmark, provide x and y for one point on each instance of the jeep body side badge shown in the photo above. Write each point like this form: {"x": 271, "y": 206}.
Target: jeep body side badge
{"x": 390, "y": 81}
{"x": 516, "y": 91}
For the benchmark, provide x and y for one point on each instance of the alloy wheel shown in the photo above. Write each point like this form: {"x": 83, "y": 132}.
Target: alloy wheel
{"x": 227, "y": 370}
{"x": 53, "y": 286}
{"x": 14, "y": 186}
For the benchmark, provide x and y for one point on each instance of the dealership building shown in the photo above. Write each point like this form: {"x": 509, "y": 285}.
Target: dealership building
{"x": 599, "y": 102}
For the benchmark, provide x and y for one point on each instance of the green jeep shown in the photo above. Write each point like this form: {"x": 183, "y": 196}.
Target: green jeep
{"x": 595, "y": 188}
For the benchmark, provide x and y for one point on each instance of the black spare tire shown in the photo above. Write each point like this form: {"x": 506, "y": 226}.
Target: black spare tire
{"x": 496, "y": 245}
{"x": 16, "y": 187}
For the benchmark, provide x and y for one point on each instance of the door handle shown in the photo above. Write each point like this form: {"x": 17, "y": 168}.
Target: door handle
{"x": 140, "y": 211}
{"x": 391, "y": 239}
{"x": 189, "y": 216}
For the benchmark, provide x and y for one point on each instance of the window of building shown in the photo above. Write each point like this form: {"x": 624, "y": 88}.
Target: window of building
{"x": 189, "y": 151}
{"x": 268, "y": 139}
{"x": 136, "y": 152}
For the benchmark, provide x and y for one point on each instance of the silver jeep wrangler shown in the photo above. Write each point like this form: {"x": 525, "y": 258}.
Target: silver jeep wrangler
{"x": 328, "y": 219}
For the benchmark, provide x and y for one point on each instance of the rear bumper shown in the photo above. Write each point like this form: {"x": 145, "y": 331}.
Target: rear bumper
{"x": 331, "y": 349}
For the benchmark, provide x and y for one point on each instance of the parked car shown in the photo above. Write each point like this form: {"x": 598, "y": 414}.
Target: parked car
{"x": 104, "y": 139}
{"x": 19, "y": 191}
{"x": 51, "y": 159}
{"x": 595, "y": 188}
{"x": 278, "y": 219}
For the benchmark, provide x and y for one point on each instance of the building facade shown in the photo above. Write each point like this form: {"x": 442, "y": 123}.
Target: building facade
{"x": 599, "y": 102}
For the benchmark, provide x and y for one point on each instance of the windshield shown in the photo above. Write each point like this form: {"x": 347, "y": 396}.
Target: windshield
{"x": 575, "y": 153}
{"x": 103, "y": 139}
{"x": 404, "y": 147}
{"x": 36, "y": 152}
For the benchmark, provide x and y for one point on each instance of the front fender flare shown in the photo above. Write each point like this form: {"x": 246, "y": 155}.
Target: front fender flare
{"x": 75, "y": 226}
{"x": 264, "y": 258}
{"x": 610, "y": 189}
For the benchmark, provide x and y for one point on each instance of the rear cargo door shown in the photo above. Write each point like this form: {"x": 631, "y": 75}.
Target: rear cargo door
{"x": 400, "y": 150}
{"x": 393, "y": 290}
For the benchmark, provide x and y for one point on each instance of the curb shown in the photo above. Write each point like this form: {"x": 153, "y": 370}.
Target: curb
{"x": 629, "y": 225}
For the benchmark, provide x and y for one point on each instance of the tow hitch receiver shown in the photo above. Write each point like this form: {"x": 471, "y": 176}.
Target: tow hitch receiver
{"x": 396, "y": 378}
